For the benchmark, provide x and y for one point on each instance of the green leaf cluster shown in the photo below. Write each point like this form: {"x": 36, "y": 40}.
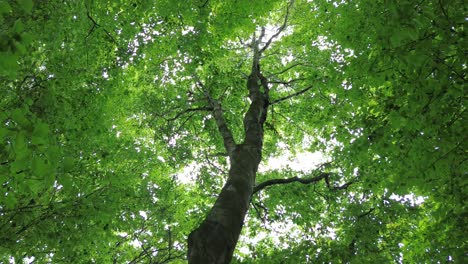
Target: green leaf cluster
{"x": 102, "y": 118}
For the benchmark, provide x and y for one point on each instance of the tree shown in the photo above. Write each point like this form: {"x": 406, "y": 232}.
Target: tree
{"x": 108, "y": 108}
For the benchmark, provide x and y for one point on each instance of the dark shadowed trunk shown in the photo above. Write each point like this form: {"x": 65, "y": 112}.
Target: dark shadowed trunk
{"x": 215, "y": 239}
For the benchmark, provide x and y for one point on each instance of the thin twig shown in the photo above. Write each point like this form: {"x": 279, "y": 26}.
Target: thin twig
{"x": 268, "y": 183}
{"x": 280, "y": 29}
{"x": 96, "y": 25}
{"x": 287, "y": 69}
{"x": 291, "y": 95}
{"x": 287, "y": 83}
{"x": 204, "y": 108}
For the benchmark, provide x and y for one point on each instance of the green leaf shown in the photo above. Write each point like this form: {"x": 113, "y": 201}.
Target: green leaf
{"x": 387, "y": 80}
{"x": 66, "y": 180}
{"x": 4, "y": 132}
{"x": 43, "y": 169}
{"x": 20, "y": 145}
{"x": 26, "y": 5}
{"x": 39, "y": 166}
{"x": 35, "y": 186}
{"x": 5, "y": 8}
{"x": 26, "y": 38}
{"x": 19, "y": 116}
{"x": 18, "y": 27}
{"x": 68, "y": 164}
{"x": 8, "y": 64}
{"x": 10, "y": 201}
{"x": 40, "y": 134}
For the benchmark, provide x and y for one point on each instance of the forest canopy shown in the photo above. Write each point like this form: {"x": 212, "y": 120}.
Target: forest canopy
{"x": 149, "y": 131}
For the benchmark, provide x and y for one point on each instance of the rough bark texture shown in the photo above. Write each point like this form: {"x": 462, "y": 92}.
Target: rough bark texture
{"x": 215, "y": 239}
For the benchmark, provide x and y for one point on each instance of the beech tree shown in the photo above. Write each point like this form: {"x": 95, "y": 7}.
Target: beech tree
{"x": 242, "y": 131}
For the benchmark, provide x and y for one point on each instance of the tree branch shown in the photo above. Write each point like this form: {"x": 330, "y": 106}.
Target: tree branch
{"x": 204, "y": 108}
{"x": 291, "y": 95}
{"x": 228, "y": 139}
{"x": 268, "y": 183}
{"x": 322, "y": 176}
{"x": 204, "y": 4}
{"x": 256, "y": 115}
{"x": 96, "y": 25}
{"x": 288, "y": 82}
{"x": 342, "y": 187}
{"x": 286, "y": 69}
{"x": 280, "y": 29}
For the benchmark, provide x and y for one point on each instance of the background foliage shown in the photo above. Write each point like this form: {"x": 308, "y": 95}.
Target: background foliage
{"x": 96, "y": 136}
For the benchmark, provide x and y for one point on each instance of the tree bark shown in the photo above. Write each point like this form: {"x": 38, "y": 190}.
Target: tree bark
{"x": 214, "y": 241}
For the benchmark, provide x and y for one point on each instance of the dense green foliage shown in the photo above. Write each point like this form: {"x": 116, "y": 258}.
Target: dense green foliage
{"x": 100, "y": 114}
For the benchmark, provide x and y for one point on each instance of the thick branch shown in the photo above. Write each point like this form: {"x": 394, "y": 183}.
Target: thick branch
{"x": 228, "y": 139}
{"x": 291, "y": 95}
{"x": 323, "y": 175}
{"x": 256, "y": 115}
{"x": 341, "y": 187}
{"x": 256, "y": 55}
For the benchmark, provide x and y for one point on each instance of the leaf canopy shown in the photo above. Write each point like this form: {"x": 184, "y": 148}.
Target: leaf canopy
{"x": 109, "y": 154}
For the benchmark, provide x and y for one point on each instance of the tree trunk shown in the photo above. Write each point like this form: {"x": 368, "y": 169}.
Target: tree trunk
{"x": 214, "y": 241}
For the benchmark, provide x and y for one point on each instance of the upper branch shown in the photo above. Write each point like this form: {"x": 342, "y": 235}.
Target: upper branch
{"x": 188, "y": 110}
{"x": 280, "y": 29}
{"x": 96, "y": 25}
{"x": 291, "y": 95}
{"x": 286, "y": 83}
{"x": 256, "y": 115}
{"x": 228, "y": 139}
{"x": 265, "y": 184}
{"x": 288, "y": 68}
{"x": 322, "y": 176}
